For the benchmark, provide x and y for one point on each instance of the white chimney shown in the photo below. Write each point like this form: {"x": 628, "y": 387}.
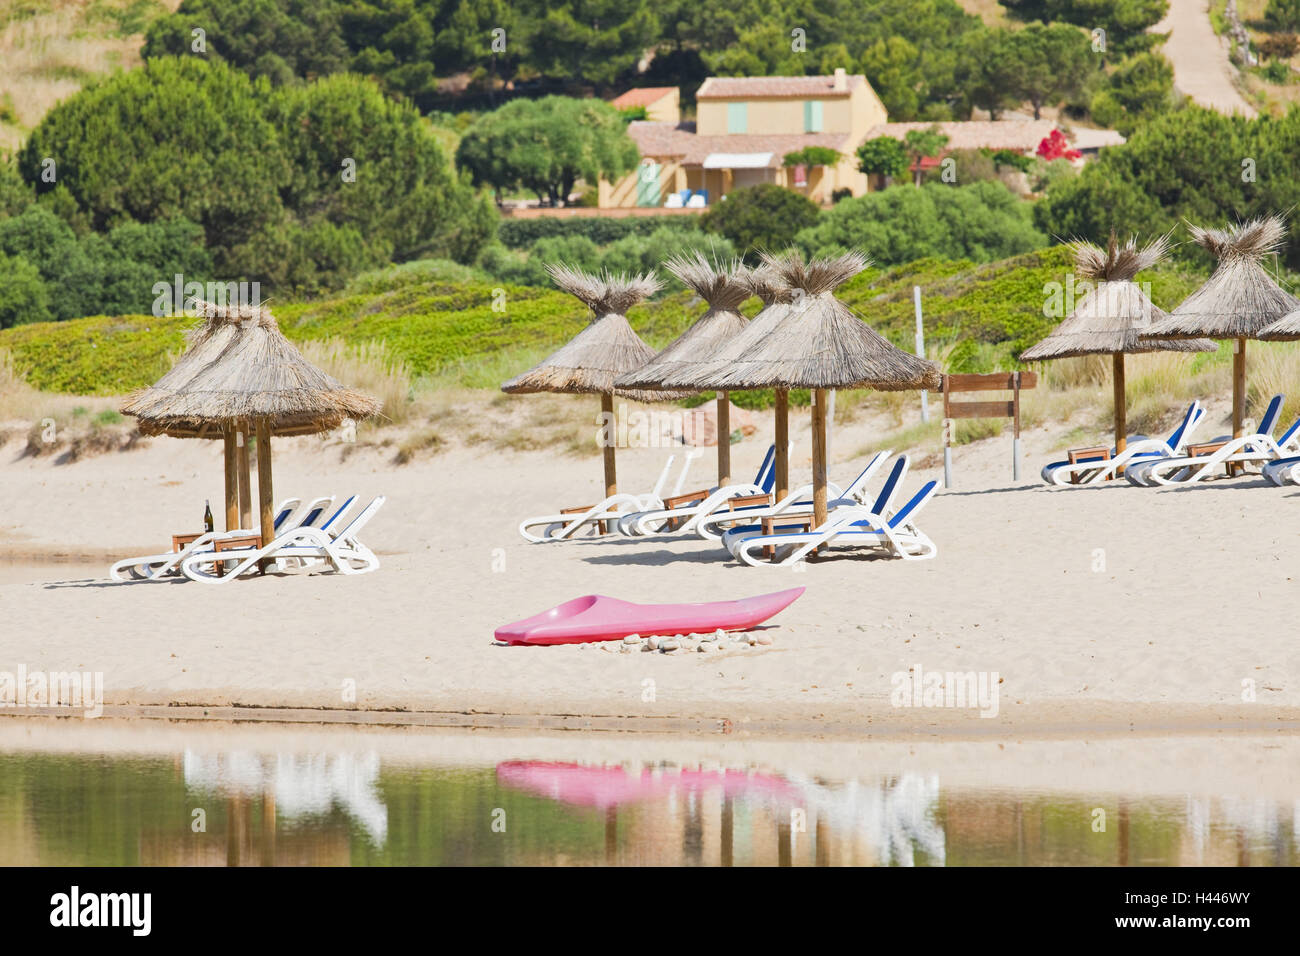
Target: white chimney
{"x": 841, "y": 80}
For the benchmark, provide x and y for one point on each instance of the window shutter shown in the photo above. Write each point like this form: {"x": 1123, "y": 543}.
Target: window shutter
{"x": 736, "y": 118}
{"x": 812, "y": 116}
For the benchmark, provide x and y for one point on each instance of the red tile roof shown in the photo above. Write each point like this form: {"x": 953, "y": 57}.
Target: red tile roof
{"x": 641, "y": 96}
{"x": 731, "y": 87}
{"x": 977, "y": 134}
{"x": 679, "y": 141}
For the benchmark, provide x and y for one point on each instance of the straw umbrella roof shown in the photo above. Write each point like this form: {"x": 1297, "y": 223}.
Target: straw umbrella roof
{"x": 607, "y": 348}
{"x": 764, "y": 282}
{"x": 1240, "y": 298}
{"x": 1285, "y": 329}
{"x": 239, "y": 367}
{"x": 820, "y": 343}
{"x": 724, "y": 287}
{"x": 1115, "y": 312}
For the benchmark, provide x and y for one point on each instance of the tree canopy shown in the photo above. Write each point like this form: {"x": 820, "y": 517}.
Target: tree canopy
{"x": 297, "y": 186}
{"x": 546, "y": 145}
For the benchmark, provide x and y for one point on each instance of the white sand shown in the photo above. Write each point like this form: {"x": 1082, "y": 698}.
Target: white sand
{"x": 1197, "y": 595}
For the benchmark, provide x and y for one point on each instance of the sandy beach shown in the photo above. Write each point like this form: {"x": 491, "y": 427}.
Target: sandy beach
{"x": 1109, "y": 608}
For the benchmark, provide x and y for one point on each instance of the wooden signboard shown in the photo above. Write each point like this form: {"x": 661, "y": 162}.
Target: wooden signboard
{"x": 1013, "y": 382}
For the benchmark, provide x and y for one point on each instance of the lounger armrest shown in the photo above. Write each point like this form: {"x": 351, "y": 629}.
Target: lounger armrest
{"x": 1205, "y": 448}
{"x": 745, "y": 501}
{"x": 690, "y": 497}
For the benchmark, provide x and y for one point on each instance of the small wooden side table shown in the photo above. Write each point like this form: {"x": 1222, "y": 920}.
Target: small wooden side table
{"x": 784, "y": 523}
{"x": 602, "y": 525}
{"x": 248, "y": 541}
{"x": 181, "y": 541}
{"x": 1077, "y": 455}
{"x": 1209, "y": 448}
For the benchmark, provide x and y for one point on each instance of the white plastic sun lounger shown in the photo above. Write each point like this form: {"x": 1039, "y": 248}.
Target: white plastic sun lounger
{"x": 1098, "y": 470}
{"x": 1283, "y": 471}
{"x": 799, "y": 502}
{"x": 597, "y": 518}
{"x": 883, "y": 505}
{"x": 676, "y": 517}
{"x": 853, "y": 526}
{"x": 287, "y": 515}
{"x": 342, "y": 550}
{"x": 1258, "y": 449}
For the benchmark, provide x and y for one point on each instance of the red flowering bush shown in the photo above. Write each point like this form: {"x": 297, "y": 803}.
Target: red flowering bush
{"x": 1055, "y": 146}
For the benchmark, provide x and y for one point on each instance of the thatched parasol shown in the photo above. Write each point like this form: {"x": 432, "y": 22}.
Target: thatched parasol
{"x": 723, "y": 287}
{"x": 239, "y": 374}
{"x": 1113, "y": 314}
{"x": 775, "y": 295}
{"x": 1237, "y": 302}
{"x": 820, "y": 344}
{"x": 591, "y": 361}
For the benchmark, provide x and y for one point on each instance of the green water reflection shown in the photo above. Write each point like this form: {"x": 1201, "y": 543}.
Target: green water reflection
{"x": 351, "y": 809}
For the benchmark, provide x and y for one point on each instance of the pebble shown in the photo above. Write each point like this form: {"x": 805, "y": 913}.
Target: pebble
{"x": 632, "y": 639}
{"x": 652, "y": 643}
{"x": 752, "y": 640}
{"x": 628, "y": 648}
{"x": 668, "y": 646}
{"x": 719, "y": 635}
{"x": 704, "y": 646}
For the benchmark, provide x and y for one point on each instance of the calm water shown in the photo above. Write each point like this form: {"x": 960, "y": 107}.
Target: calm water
{"x": 294, "y": 808}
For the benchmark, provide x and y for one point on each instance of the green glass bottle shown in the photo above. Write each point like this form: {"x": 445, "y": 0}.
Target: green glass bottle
{"x": 207, "y": 516}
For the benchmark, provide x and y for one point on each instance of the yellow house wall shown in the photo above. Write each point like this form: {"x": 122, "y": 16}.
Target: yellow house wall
{"x": 622, "y": 194}
{"x": 666, "y": 110}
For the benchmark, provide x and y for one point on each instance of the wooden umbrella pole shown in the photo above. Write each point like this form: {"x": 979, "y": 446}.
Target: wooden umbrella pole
{"x": 1121, "y": 425}
{"x": 781, "y": 465}
{"x": 232, "y": 481}
{"x": 1239, "y": 389}
{"x": 724, "y": 439}
{"x": 245, "y": 482}
{"x": 820, "y": 399}
{"x": 264, "y": 506}
{"x": 611, "y": 477}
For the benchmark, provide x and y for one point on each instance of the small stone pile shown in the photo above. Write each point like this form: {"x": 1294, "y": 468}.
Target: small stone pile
{"x": 718, "y": 640}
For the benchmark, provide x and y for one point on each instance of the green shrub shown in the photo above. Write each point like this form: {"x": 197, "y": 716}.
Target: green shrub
{"x": 981, "y": 222}
{"x": 602, "y": 230}
{"x": 1282, "y": 16}
{"x": 763, "y": 217}
{"x": 483, "y": 332}
{"x": 24, "y": 296}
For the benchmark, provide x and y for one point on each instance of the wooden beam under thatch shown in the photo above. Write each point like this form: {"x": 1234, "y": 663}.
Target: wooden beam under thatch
{"x": 1113, "y": 314}
{"x": 239, "y": 367}
{"x": 607, "y": 348}
{"x": 1240, "y": 298}
{"x": 819, "y": 343}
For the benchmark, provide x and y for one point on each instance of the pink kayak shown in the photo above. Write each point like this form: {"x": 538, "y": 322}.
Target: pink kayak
{"x": 599, "y": 618}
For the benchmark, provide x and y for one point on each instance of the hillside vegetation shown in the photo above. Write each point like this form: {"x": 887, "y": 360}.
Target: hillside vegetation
{"x": 447, "y": 332}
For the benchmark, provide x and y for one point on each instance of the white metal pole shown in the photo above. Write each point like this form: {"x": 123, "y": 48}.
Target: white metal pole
{"x": 920, "y": 350}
